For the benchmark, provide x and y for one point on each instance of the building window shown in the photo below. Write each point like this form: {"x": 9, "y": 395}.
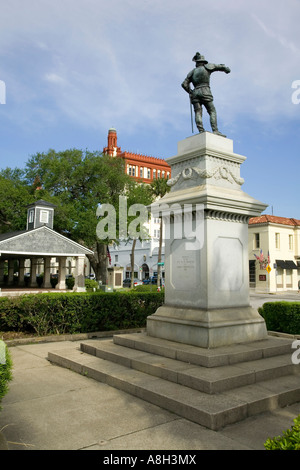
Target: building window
{"x": 154, "y": 174}
{"x": 44, "y": 217}
{"x": 291, "y": 242}
{"x": 158, "y": 173}
{"x": 168, "y": 175}
{"x": 141, "y": 172}
{"x": 256, "y": 240}
{"x": 162, "y": 174}
{"x": 133, "y": 171}
{"x": 31, "y": 216}
{"x": 116, "y": 258}
{"x": 277, "y": 240}
{"x": 148, "y": 173}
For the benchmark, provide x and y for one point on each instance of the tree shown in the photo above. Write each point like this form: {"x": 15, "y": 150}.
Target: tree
{"x": 158, "y": 188}
{"x": 77, "y": 182}
{"x": 138, "y": 198}
{"x": 15, "y": 196}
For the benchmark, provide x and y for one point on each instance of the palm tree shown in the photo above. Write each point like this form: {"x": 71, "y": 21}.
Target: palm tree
{"x": 159, "y": 187}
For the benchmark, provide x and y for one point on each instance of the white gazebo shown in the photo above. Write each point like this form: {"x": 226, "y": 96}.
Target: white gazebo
{"x": 39, "y": 243}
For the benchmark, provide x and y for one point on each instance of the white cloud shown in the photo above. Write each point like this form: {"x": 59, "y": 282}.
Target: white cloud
{"x": 54, "y": 78}
{"x": 125, "y": 60}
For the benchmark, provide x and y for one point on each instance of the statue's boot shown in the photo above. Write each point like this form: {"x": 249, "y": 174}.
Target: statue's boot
{"x": 214, "y": 125}
{"x": 198, "y": 119}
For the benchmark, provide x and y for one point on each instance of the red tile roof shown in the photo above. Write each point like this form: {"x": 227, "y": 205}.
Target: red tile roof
{"x": 264, "y": 219}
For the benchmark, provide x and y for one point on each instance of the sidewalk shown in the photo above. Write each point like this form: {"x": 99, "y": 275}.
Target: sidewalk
{"x": 51, "y": 408}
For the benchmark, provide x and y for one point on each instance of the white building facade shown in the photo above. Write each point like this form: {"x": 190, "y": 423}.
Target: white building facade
{"x": 145, "y": 254}
{"x": 274, "y": 253}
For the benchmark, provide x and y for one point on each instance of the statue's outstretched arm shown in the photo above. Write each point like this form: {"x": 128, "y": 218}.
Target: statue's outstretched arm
{"x": 218, "y": 68}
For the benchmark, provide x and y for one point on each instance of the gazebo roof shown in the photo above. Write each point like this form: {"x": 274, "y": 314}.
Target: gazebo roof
{"x": 42, "y": 241}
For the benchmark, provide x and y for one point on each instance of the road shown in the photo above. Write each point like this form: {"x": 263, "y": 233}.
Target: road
{"x": 257, "y": 299}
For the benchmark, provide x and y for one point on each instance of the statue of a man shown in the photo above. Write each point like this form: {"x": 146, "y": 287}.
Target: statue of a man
{"x": 201, "y": 93}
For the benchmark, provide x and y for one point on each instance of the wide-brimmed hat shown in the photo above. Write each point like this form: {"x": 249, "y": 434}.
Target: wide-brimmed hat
{"x": 199, "y": 58}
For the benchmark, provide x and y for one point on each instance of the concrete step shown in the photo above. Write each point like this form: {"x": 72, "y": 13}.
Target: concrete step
{"x": 209, "y": 380}
{"x": 225, "y": 355}
{"x": 213, "y": 412}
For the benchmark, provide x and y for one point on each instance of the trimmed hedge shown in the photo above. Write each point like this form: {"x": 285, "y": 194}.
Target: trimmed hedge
{"x": 69, "y": 313}
{"x": 283, "y": 317}
{"x": 5, "y": 372}
{"x": 290, "y": 439}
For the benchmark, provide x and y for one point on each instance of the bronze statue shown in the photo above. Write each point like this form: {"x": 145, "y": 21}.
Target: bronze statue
{"x": 201, "y": 93}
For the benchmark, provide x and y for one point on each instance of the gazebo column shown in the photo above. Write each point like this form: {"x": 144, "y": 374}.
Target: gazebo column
{"x": 62, "y": 273}
{"x": 2, "y": 267}
{"x": 10, "y": 272}
{"x": 33, "y": 271}
{"x": 21, "y": 279}
{"x": 79, "y": 285}
{"x": 47, "y": 266}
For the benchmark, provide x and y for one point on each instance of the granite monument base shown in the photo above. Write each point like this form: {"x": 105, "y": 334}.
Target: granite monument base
{"x": 207, "y": 328}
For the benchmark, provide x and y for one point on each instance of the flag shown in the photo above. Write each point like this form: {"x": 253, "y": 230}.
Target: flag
{"x": 108, "y": 255}
{"x": 261, "y": 256}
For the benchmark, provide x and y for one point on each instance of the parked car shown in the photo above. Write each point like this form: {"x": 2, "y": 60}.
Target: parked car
{"x": 153, "y": 280}
{"x": 90, "y": 276}
{"x": 127, "y": 282}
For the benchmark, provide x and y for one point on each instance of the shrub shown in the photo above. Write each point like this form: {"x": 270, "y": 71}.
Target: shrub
{"x": 71, "y": 312}
{"x": 70, "y": 281}
{"x": 283, "y": 317}
{"x": 290, "y": 439}
{"x": 91, "y": 284}
{"x": 146, "y": 288}
{"x": 53, "y": 281}
{"x": 5, "y": 370}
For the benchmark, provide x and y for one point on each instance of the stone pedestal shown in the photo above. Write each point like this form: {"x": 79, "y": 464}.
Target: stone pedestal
{"x": 206, "y": 216}
{"x": 115, "y": 277}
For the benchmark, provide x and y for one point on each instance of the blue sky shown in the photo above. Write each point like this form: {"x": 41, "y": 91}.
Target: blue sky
{"x": 75, "y": 68}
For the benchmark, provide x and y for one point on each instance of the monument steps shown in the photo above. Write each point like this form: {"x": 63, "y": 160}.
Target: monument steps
{"x": 209, "y": 380}
{"x": 249, "y": 378}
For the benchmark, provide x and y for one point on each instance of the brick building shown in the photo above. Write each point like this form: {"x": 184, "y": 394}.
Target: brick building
{"x": 138, "y": 166}
{"x": 144, "y": 169}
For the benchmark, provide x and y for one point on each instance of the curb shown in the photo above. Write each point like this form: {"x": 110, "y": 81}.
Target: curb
{"x": 71, "y": 337}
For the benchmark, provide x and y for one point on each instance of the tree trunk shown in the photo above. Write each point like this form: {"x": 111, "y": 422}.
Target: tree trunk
{"x": 99, "y": 263}
{"x": 132, "y": 261}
